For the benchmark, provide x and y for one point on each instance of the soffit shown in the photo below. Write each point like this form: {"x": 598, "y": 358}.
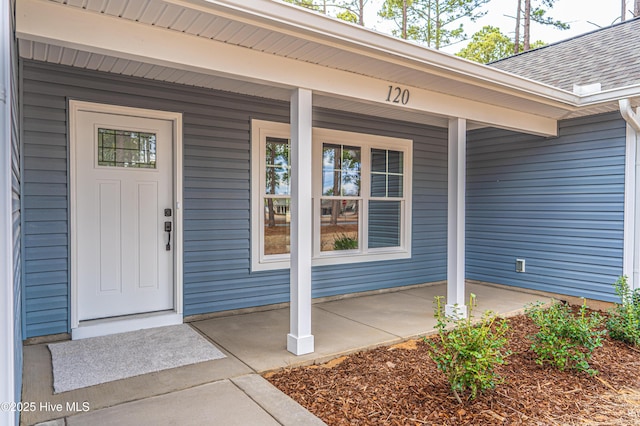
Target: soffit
{"x": 210, "y": 20}
{"x": 97, "y": 62}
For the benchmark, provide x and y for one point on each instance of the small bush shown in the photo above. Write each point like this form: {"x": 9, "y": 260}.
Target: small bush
{"x": 624, "y": 319}
{"x": 565, "y": 340}
{"x": 468, "y": 353}
{"x": 345, "y": 242}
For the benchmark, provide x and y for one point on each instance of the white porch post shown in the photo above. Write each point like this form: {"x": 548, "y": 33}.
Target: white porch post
{"x": 300, "y": 340}
{"x": 456, "y": 219}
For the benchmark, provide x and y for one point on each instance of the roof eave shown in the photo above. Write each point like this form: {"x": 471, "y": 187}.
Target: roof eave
{"x": 610, "y": 95}
{"x": 316, "y": 27}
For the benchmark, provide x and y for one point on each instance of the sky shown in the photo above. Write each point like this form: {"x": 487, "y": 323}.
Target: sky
{"x": 582, "y": 15}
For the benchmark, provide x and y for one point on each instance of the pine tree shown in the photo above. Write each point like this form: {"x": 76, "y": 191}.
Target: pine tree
{"x": 437, "y": 23}
{"x": 534, "y": 10}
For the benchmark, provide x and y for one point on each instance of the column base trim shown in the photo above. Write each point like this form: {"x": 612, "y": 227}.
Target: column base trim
{"x": 300, "y": 345}
{"x": 456, "y": 311}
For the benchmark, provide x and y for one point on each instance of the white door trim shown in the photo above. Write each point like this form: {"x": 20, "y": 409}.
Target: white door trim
{"x": 101, "y": 327}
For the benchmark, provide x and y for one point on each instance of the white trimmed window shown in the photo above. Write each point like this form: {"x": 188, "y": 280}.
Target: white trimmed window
{"x": 361, "y": 197}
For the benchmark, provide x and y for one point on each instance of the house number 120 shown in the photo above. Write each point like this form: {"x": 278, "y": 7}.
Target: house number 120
{"x": 398, "y": 95}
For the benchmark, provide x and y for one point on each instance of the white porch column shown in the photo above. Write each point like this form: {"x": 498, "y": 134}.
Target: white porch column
{"x": 456, "y": 218}
{"x": 300, "y": 339}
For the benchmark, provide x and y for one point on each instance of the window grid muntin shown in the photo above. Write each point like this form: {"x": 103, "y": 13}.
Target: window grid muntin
{"x": 337, "y": 170}
{"x": 283, "y": 194}
{"x": 274, "y": 167}
{"x": 386, "y": 173}
{"x": 149, "y": 151}
{"x": 366, "y": 141}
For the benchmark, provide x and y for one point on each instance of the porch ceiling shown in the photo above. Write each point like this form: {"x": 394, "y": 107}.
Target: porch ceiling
{"x": 92, "y": 61}
{"x": 278, "y": 29}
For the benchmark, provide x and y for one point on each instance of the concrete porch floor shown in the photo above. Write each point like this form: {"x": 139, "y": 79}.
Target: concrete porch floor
{"x": 231, "y": 391}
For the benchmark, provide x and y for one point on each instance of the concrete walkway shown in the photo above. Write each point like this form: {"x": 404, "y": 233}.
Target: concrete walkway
{"x": 231, "y": 391}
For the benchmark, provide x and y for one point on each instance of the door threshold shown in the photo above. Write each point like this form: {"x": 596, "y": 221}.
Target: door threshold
{"x": 106, "y": 326}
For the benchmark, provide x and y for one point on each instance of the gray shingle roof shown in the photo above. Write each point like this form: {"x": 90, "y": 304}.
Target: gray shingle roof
{"x": 610, "y": 56}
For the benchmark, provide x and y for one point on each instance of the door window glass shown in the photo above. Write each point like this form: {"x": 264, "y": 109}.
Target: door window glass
{"x": 123, "y": 148}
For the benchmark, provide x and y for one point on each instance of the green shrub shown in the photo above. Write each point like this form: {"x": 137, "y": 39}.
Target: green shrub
{"x": 624, "y": 320}
{"x": 345, "y": 242}
{"x": 468, "y": 353}
{"x": 565, "y": 340}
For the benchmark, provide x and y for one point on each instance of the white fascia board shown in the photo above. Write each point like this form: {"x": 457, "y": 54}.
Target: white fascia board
{"x": 301, "y": 22}
{"x": 611, "y": 95}
{"x": 52, "y": 23}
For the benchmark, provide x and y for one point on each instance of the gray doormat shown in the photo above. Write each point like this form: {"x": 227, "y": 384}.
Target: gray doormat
{"x": 87, "y": 362}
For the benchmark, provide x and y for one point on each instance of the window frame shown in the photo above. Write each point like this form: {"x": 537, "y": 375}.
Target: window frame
{"x": 261, "y": 130}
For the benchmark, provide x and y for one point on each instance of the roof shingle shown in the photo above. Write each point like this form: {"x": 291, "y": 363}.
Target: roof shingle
{"x": 609, "y": 56}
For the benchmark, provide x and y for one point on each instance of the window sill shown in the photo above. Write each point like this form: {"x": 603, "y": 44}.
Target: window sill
{"x": 333, "y": 259}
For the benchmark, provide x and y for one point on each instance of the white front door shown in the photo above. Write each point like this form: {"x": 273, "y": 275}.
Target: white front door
{"x": 123, "y": 184}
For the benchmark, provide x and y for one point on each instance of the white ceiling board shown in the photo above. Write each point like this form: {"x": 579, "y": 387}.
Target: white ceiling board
{"x": 134, "y": 9}
{"x": 197, "y": 18}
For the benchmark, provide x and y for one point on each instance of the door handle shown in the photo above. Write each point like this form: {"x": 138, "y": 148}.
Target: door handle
{"x": 167, "y": 229}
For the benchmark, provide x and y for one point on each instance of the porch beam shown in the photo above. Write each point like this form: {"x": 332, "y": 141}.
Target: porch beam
{"x": 457, "y": 166}
{"x": 39, "y": 21}
{"x": 300, "y": 340}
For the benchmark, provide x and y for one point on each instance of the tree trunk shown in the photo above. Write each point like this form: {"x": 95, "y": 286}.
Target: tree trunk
{"x": 429, "y": 25}
{"x": 636, "y": 9}
{"x": 272, "y": 185}
{"x": 337, "y": 178}
{"x": 404, "y": 19}
{"x": 527, "y": 26}
{"x": 516, "y": 47}
{"x": 361, "y": 13}
{"x": 271, "y": 222}
{"x": 438, "y": 26}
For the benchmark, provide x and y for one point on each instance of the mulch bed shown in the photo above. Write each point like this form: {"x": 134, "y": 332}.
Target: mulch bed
{"x": 400, "y": 385}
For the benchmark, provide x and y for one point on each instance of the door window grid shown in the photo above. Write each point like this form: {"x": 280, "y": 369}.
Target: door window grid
{"x": 123, "y": 148}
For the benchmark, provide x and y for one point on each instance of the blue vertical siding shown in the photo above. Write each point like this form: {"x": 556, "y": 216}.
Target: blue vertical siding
{"x": 217, "y": 144}
{"x": 558, "y": 203}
